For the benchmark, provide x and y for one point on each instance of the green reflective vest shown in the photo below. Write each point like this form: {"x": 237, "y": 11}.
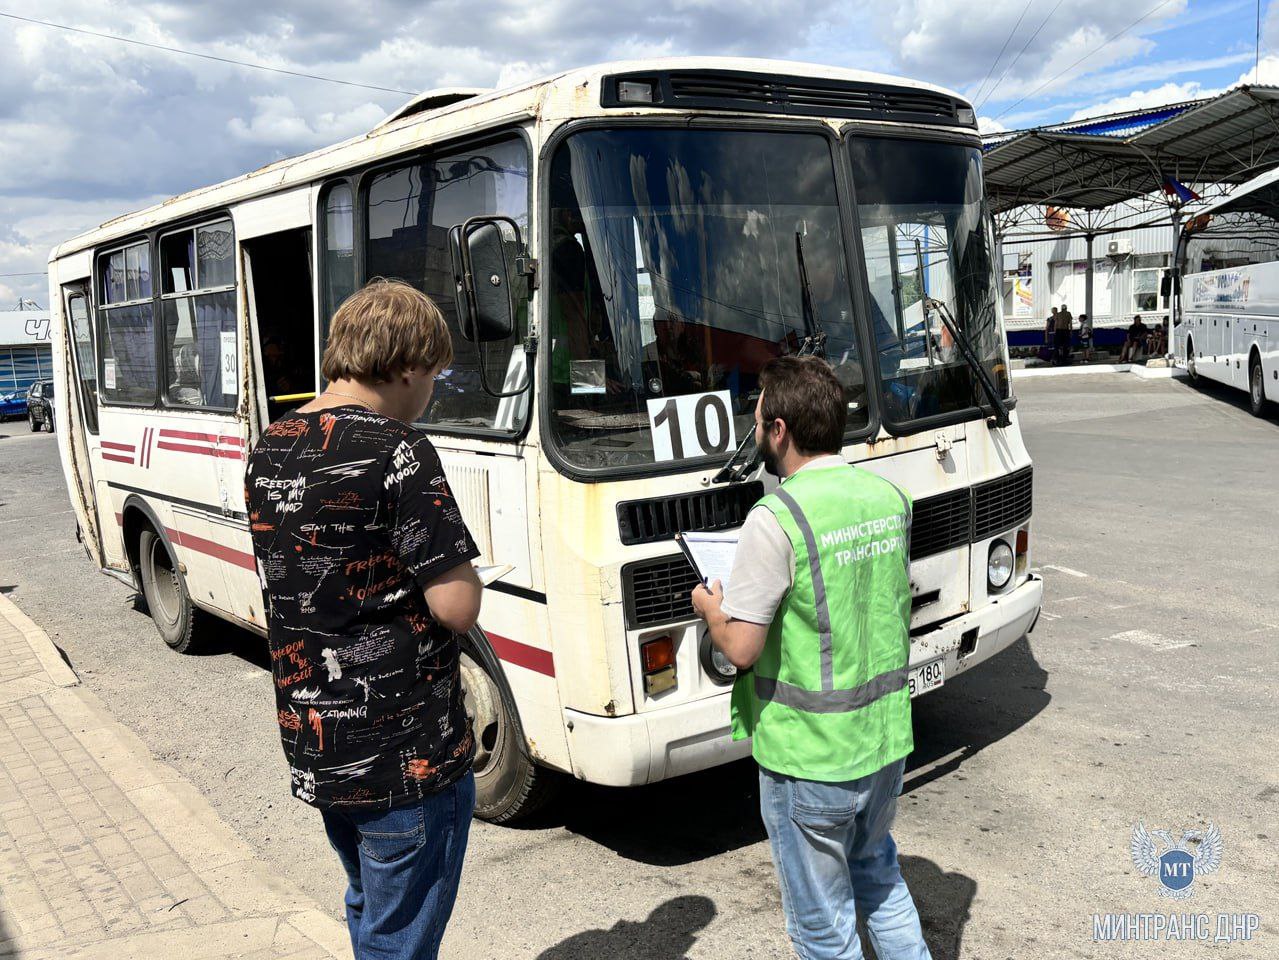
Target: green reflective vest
{"x": 827, "y": 699}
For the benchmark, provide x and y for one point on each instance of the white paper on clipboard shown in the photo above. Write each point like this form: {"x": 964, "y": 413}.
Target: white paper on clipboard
{"x": 711, "y": 553}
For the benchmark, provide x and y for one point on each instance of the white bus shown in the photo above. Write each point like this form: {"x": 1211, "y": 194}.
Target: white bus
{"x": 1228, "y": 309}
{"x": 631, "y": 242}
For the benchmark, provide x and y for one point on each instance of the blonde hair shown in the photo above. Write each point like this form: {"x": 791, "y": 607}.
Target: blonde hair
{"x": 383, "y": 329}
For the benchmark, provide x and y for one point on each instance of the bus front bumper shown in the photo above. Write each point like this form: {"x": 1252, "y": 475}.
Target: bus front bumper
{"x": 644, "y": 748}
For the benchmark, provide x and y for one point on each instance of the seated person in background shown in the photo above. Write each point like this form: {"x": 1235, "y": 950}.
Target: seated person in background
{"x": 1157, "y": 340}
{"x": 185, "y": 387}
{"x": 1135, "y": 340}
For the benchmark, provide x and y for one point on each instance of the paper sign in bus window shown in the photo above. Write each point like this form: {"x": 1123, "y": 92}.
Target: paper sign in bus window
{"x": 108, "y": 373}
{"x": 695, "y": 425}
{"x": 230, "y": 366}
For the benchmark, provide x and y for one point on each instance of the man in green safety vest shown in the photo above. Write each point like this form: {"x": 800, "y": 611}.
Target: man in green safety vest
{"x": 816, "y": 617}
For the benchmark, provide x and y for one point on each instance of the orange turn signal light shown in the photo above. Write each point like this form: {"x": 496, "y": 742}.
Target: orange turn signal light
{"x": 1023, "y": 540}
{"x": 657, "y": 654}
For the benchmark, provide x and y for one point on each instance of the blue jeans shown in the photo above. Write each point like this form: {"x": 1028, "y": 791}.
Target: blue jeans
{"x": 403, "y": 866}
{"x": 835, "y": 859}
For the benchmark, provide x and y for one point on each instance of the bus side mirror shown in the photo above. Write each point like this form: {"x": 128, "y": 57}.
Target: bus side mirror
{"x": 1171, "y": 282}
{"x": 488, "y": 267}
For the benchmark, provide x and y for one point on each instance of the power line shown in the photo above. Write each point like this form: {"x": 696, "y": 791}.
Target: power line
{"x": 1029, "y": 40}
{"x": 203, "y": 56}
{"x": 994, "y": 63}
{"x": 39, "y": 273}
{"x": 1110, "y": 40}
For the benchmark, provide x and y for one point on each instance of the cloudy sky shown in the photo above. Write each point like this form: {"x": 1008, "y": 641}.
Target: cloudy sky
{"x": 93, "y": 127}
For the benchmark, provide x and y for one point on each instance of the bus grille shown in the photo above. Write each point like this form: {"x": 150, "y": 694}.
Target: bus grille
{"x": 1001, "y": 504}
{"x": 798, "y": 96}
{"x": 660, "y": 518}
{"x": 941, "y": 523}
{"x": 657, "y": 591}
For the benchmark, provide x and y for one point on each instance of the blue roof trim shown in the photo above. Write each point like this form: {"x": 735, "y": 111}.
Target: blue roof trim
{"x": 1127, "y": 124}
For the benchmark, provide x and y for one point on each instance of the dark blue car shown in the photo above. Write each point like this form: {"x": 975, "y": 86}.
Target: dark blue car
{"x": 13, "y": 403}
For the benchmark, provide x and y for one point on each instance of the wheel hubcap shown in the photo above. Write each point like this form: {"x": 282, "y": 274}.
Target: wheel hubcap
{"x": 481, "y": 698}
{"x": 1256, "y": 385}
{"x": 165, "y": 582}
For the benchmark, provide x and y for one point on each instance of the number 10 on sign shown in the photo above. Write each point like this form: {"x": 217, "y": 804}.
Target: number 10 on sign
{"x": 696, "y": 425}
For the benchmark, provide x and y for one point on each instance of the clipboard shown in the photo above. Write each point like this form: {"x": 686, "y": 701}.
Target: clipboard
{"x": 709, "y": 554}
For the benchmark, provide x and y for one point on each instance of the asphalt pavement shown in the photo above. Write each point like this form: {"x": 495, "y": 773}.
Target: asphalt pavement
{"x": 1146, "y": 693}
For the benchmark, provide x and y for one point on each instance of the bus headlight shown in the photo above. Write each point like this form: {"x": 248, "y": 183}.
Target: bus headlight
{"x": 717, "y": 666}
{"x": 999, "y": 565}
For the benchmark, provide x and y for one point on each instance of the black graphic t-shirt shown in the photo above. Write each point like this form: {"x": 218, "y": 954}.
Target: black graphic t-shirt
{"x": 351, "y": 518}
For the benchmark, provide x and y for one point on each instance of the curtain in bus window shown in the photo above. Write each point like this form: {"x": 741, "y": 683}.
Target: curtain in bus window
{"x": 199, "y": 339}
{"x": 127, "y": 342}
{"x": 410, "y": 211}
{"x": 215, "y": 265}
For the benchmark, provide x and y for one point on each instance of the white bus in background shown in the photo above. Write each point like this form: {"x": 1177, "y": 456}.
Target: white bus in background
{"x": 1228, "y": 308}
{"x": 636, "y": 240}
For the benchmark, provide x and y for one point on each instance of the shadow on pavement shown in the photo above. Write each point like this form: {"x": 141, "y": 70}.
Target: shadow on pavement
{"x": 8, "y": 587}
{"x": 1238, "y": 398}
{"x": 944, "y": 901}
{"x": 668, "y": 934}
{"x": 974, "y": 710}
{"x": 667, "y": 824}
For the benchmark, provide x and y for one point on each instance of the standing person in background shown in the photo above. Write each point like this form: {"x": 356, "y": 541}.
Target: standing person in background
{"x": 816, "y": 618}
{"x": 1085, "y": 336}
{"x": 1061, "y": 332}
{"x": 1050, "y": 328}
{"x": 367, "y": 582}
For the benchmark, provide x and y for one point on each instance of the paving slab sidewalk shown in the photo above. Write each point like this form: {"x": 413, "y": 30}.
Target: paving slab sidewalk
{"x": 107, "y": 853}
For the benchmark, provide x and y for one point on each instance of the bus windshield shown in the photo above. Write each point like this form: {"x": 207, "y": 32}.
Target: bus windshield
{"x": 680, "y": 262}
{"x": 929, "y": 252}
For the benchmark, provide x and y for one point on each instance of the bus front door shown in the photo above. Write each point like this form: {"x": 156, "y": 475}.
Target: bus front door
{"x": 79, "y": 419}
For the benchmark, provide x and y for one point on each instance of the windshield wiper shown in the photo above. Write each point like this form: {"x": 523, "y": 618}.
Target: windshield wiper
{"x": 966, "y": 351}
{"x": 814, "y": 336}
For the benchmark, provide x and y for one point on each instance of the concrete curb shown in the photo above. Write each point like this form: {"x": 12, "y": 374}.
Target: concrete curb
{"x": 43, "y": 647}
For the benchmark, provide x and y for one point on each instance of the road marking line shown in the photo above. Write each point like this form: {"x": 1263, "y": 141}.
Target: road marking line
{"x": 41, "y": 516}
{"x": 1049, "y": 616}
{"x": 1066, "y": 570}
{"x": 1068, "y": 599}
{"x": 1154, "y": 641}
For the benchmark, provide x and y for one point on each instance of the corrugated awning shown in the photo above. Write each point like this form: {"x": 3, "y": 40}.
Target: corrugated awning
{"x": 1096, "y": 163}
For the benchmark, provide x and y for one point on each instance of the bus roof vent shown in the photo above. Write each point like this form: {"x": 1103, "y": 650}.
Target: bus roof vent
{"x": 432, "y": 100}
{"x": 797, "y": 96}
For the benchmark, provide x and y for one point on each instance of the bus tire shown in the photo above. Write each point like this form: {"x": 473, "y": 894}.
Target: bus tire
{"x": 165, "y": 591}
{"x": 1257, "y": 401}
{"x": 509, "y": 786}
{"x": 1190, "y": 361}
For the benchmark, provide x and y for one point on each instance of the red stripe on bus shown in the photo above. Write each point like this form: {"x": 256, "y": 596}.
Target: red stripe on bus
{"x": 117, "y": 458}
{"x": 206, "y": 437}
{"x": 209, "y": 548}
{"x": 118, "y": 446}
{"x": 522, "y": 655}
{"x": 205, "y": 451}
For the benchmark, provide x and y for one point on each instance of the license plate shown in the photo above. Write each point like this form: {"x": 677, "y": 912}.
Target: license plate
{"x": 925, "y": 677}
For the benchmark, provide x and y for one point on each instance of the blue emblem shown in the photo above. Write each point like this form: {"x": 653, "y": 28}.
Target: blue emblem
{"x": 1179, "y": 864}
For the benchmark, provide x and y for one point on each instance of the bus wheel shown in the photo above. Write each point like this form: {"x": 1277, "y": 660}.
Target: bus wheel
{"x": 166, "y": 593}
{"x": 509, "y": 786}
{"x": 1190, "y": 361}
{"x": 1256, "y": 388}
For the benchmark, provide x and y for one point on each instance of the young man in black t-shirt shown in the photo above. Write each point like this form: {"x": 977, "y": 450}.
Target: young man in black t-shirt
{"x": 366, "y": 575}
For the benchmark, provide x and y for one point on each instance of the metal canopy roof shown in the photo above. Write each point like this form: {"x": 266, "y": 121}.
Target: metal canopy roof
{"x": 1096, "y": 163}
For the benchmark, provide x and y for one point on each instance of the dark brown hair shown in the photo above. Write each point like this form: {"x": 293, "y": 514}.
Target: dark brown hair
{"x": 805, "y": 392}
{"x": 382, "y": 330}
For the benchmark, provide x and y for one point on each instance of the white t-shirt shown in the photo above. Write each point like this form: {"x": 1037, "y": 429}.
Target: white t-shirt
{"x": 764, "y": 565}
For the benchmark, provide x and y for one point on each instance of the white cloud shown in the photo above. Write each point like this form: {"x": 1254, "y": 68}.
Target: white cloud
{"x": 1162, "y": 95}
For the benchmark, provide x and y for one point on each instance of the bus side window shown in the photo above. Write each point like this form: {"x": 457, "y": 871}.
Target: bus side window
{"x": 197, "y": 270}
{"x": 126, "y": 327}
{"x": 86, "y": 368}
